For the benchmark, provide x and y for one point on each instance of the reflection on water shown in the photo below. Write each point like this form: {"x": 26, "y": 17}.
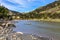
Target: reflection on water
{"x": 39, "y": 28}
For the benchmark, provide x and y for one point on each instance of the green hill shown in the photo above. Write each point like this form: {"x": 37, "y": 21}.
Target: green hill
{"x": 48, "y": 6}
{"x": 50, "y": 11}
{"x": 3, "y": 10}
{"x": 7, "y": 14}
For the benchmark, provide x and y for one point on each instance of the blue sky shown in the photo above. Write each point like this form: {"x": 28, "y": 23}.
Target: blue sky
{"x": 24, "y": 5}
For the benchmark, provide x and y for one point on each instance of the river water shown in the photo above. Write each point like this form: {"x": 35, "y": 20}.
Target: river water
{"x": 40, "y": 28}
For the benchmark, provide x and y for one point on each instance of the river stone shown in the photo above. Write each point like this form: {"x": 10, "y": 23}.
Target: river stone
{"x": 18, "y": 36}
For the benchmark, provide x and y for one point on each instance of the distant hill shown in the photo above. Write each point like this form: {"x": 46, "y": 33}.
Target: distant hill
{"x": 51, "y": 10}
{"x": 49, "y": 7}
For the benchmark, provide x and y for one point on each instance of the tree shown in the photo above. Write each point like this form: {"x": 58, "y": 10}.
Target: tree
{"x": 3, "y": 12}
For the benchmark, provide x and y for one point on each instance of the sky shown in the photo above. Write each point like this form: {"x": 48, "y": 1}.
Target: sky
{"x": 24, "y": 5}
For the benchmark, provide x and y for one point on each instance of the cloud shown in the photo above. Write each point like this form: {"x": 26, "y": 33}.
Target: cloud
{"x": 31, "y": 0}
{"x": 17, "y": 1}
{"x": 23, "y": 5}
{"x": 20, "y": 4}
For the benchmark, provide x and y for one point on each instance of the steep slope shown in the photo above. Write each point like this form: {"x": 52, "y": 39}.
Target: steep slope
{"x": 8, "y": 14}
{"x": 51, "y": 6}
{"x": 3, "y": 10}
{"x": 50, "y": 11}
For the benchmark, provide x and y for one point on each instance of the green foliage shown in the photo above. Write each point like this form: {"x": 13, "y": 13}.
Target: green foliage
{"x": 3, "y": 11}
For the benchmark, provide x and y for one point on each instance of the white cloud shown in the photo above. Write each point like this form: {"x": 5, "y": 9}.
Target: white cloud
{"x": 16, "y": 1}
{"x": 30, "y": 0}
{"x": 36, "y": 0}
{"x": 22, "y": 4}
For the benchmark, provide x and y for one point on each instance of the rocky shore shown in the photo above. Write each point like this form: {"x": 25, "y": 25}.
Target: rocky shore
{"x": 7, "y": 33}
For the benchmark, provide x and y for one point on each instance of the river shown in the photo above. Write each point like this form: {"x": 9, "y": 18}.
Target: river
{"x": 40, "y": 28}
